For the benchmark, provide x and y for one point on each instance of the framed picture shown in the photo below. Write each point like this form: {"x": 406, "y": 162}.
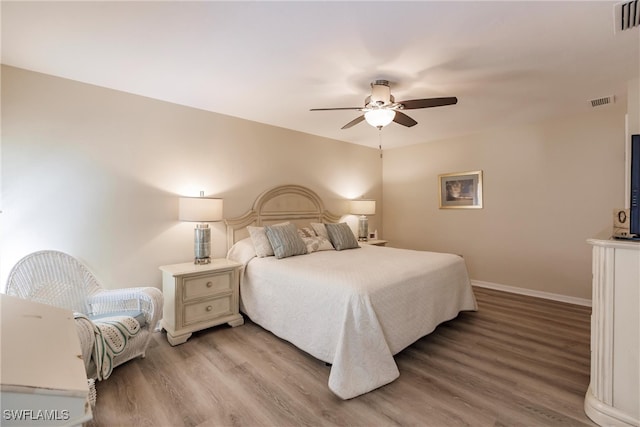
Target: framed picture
{"x": 462, "y": 190}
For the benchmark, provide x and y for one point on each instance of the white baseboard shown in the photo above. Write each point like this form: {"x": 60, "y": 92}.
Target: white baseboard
{"x": 532, "y": 293}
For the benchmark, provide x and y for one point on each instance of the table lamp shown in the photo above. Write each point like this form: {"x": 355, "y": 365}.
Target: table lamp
{"x": 363, "y": 208}
{"x": 202, "y": 210}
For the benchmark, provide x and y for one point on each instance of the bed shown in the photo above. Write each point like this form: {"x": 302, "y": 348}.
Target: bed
{"x": 354, "y": 308}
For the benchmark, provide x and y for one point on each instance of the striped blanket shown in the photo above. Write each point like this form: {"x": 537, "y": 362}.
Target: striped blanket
{"x": 104, "y": 339}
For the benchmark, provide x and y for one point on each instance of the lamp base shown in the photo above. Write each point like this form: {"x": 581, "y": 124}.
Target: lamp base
{"x": 202, "y": 244}
{"x": 363, "y": 228}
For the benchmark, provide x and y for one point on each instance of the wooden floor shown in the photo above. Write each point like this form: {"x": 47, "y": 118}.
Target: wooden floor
{"x": 517, "y": 361}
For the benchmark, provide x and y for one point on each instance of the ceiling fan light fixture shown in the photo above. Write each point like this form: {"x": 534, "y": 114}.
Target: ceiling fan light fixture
{"x": 380, "y": 108}
{"x": 379, "y": 118}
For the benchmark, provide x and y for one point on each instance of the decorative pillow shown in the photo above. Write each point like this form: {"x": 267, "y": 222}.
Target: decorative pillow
{"x": 317, "y": 243}
{"x": 307, "y": 232}
{"x": 341, "y": 236}
{"x": 320, "y": 229}
{"x": 138, "y": 315}
{"x": 285, "y": 241}
{"x": 260, "y": 241}
{"x": 242, "y": 251}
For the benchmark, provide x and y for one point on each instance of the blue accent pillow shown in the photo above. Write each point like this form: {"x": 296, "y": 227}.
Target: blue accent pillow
{"x": 138, "y": 315}
{"x": 285, "y": 240}
{"x": 341, "y": 236}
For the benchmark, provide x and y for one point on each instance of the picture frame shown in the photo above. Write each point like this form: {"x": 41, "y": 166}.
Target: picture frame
{"x": 460, "y": 190}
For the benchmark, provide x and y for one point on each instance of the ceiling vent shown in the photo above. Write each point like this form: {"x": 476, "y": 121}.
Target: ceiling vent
{"x": 626, "y": 16}
{"x": 598, "y": 102}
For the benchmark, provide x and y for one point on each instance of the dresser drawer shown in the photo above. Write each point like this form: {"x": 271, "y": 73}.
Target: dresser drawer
{"x": 207, "y": 310}
{"x": 206, "y": 286}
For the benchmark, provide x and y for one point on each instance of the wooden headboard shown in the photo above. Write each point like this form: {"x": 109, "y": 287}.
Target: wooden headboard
{"x": 293, "y": 203}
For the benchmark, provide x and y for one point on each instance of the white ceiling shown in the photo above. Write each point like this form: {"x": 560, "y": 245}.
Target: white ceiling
{"x": 507, "y": 62}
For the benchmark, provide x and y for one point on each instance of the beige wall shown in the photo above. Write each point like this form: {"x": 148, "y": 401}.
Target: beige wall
{"x": 633, "y": 106}
{"x": 97, "y": 173}
{"x": 547, "y": 188}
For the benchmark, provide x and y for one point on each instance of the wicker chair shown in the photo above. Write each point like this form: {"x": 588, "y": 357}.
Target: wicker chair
{"x": 58, "y": 279}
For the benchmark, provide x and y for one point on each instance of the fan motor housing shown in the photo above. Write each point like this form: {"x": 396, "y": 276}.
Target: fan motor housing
{"x": 380, "y": 94}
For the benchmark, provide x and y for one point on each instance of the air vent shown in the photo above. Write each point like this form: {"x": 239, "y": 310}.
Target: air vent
{"x": 602, "y": 101}
{"x": 626, "y": 16}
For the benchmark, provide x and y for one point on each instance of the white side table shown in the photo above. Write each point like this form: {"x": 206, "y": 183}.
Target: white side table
{"x": 374, "y": 242}
{"x": 197, "y": 297}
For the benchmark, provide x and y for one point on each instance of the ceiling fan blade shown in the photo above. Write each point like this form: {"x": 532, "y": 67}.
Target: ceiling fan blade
{"x": 339, "y": 108}
{"x": 353, "y": 122}
{"x": 428, "y": 103}
{"x": 404, "y": 120}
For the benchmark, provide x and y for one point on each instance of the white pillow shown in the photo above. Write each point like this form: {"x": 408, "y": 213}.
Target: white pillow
{"x": 320, "y": 229}
{"x": 242, "y": 251}
{"x": 317, "y": 243}
{"x": 260, "y": 241}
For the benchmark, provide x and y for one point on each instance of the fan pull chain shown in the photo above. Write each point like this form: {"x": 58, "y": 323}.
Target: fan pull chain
{"x": 380, "y": 141}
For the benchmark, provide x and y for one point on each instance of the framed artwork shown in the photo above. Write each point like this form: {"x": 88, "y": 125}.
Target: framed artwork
{"x": 462, "y": 190}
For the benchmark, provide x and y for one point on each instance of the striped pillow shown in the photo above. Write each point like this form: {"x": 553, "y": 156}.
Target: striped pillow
{"x": 285, "y": 240}
{"x": 341, "y": 236}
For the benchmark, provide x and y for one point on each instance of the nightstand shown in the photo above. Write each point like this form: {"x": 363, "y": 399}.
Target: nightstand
{"x": 197, "y": 297}
{"x": 375, "y": 242}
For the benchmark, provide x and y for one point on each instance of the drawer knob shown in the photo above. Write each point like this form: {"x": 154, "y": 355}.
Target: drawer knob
{"x": 209, "y": 308}
{"x": 209, "y": 284}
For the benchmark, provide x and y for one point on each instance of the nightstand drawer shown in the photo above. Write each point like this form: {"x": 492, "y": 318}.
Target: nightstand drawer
{"x": 205, "y": 286}
{"x": 207, "y": 310}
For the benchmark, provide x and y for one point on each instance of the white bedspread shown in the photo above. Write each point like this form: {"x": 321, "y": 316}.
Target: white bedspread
{"x": 356, "y": 308}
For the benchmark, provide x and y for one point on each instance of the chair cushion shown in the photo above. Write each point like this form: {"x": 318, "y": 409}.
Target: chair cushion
{"x": 138, "y": 315}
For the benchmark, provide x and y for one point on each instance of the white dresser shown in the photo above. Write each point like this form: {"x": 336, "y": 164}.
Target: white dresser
{"x": 44, "y": 382}
{"x": 613, "y": 398}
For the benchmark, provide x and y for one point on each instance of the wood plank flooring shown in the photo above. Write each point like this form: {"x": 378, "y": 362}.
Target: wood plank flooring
{"x": 517, "y": 361}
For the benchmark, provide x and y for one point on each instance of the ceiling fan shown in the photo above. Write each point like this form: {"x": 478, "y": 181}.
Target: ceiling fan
{"x": 380, "y": 107}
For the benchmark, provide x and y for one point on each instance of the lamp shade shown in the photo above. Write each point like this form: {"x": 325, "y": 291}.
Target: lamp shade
{"x": 363, "y": 207}
{"x": 199, "y": 209}
{"x": 379, "y": 118}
